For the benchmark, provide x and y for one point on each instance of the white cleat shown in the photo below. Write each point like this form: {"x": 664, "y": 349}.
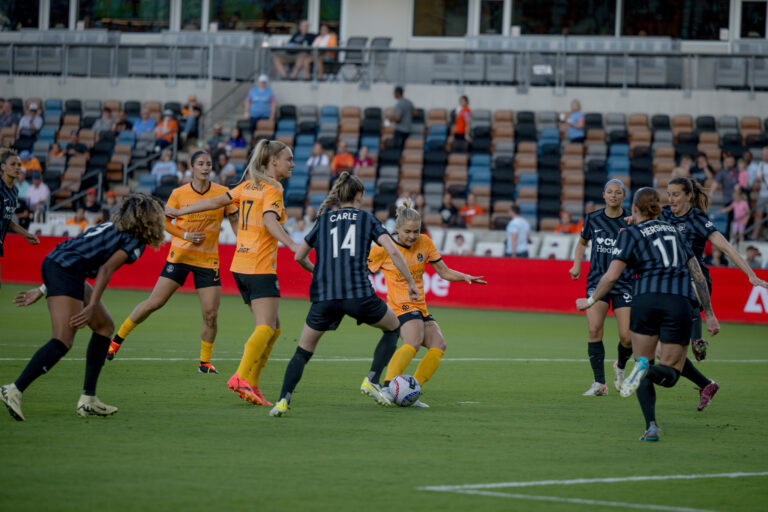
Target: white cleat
{"x": 632, "y": 382}
{"x": 92, "y": 406}
{"x": 374, "y": 391}
{"x": 618, "y": 376}
{"x": 419, "y": 403}
{"x": 11, "y": 397}
{"x": 596, "y": 389}
{"x": 280, "y": 409}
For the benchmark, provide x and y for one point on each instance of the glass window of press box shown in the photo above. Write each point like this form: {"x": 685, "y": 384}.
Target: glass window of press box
{"x": 270, "y": 16}
{"x": 679, "y": 19}
{"x": 15, "y": 15}
{"x": 565, "y": 17}
{"x": 125, "y": 15}
{"x": 436, "y": 18}
{"x": 753, "y": 17}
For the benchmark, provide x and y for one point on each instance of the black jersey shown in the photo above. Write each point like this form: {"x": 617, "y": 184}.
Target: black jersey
{"x": 92, "y": 248}
{"x": 604, "y": 231}
{"x": 342, "y": 240}
{"x": 694, "y": 227}
{"x": 658, "y": 256}
{"x": 8, "y": 204}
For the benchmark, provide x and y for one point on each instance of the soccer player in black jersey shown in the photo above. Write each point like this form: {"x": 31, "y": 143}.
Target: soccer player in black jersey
{"x": 662, "y": 298}
{"x": 602, "y": 228}
{"x": 10, "y": 166}
{"x": 96, "y": 253}
{"x": 340, "y": 284}
{"x": 688, "y": 203}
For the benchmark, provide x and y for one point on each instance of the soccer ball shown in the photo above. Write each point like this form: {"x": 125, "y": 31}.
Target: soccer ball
{"x": 405, "y": 390}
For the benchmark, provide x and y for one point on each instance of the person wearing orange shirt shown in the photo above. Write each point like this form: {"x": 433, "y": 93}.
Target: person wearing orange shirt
{"x": 78, "y": 220}
{"x": 166, "y": 130}
{"x": 566, "y": 223}
{"x": 463, "y": 116}
{"x": 343, "y": 161}
{"x": 259, "y": 197}
{"x": 325, "y": 39}
{"x": 417, "y": 326}
{"x": 470, "y": 209}
{"x": 195, "y": 249}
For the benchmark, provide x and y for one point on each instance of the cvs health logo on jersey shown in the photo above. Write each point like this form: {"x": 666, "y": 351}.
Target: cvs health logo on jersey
{"x": 757, "y": 301}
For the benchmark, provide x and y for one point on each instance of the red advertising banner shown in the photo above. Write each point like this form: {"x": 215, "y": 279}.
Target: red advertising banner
{"x": 513, "y": 284}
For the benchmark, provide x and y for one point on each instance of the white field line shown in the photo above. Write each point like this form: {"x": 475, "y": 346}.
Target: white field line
{"x": 366, "y": 359}
{"x": 475, "y": 489}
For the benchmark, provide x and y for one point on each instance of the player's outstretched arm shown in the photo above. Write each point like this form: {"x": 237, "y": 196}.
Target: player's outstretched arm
{"x": 397, "y": 259}
{"x": 190, "y": 236}
{"x": 604, "y": 286}
{"x": 719, "y": 241}
{"x": 28, "y": 297}
{"x": 29, "y": 237}
{"x": 702, "y": 290}
{"x": 213, "y": 203}
{"x": 454, "y": 275}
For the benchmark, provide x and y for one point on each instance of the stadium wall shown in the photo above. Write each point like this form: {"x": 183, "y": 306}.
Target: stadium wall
{"x": 514, "y": 284}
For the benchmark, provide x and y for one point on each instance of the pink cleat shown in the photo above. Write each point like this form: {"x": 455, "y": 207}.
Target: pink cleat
{"x": 243, "y": 389}
{"x": 707, "y": 393}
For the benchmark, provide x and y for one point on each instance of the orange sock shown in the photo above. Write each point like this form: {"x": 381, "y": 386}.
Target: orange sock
{"x": 255, "y": 373}
{"x": 254, "y": 348}
{"x": 428, "y": 365}
{"x": 399, "y": 362}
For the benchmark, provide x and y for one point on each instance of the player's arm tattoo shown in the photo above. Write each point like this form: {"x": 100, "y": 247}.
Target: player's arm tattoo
{"x": 700, "y": 284}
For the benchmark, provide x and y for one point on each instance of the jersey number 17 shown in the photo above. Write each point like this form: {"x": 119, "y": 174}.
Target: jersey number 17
{"x": 660, "y": 246}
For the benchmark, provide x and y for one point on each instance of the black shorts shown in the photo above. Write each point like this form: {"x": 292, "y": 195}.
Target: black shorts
{"x": 178, "y": 272}
{"x": 414, "y": 315}
{"x": 665, "y": 315}
{"x": 614, "y": 300}
{"x": 256, "y": 286}
{"x": 62, "y": 281}
{"x": 326, "y": 315}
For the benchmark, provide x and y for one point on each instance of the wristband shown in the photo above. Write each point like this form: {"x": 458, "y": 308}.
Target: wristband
{"x": 184, "y": 236}
{"x": 590, "y": 300}
{"x": 43, "y": 289}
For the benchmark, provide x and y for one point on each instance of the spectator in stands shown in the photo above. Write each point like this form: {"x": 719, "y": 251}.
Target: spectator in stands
{"x": 301, "y": 39}
{"x": 317, "y": 158}
{"x": 309, "y": 215}
{"x": 325, "y": 39}
{"x": 575, "y": 121}
{"x": 362, "y": 159}
{"x": 517, "y": 234}
{"x": 78, "y": 220}
{"x": 191, "y": 112}
{"x": 144, "y": 124}
{"x": 121, "y": 123}
{"x": 105, "y": 123}
{"x": 741, "y": 166}
{"x": 91, "y": 204}
{"x": 300, "y": 231}
{"x": 343, "y": 160}
{"x": 752, "y": 167}
{"x": 235, "y": 140}
{"x": 75, "y": 147}
{"x": 236, "y": 22}
{"x": 217, "y": 140}
{"x": 459, "y": 246}
{"x": 405, "y": 195}
{"x": 38, "y": 196}
{"x": 470, "y": 210}
{"x": 165, "y": 166}
{"x": 420, "y": 205}
{"x": 8, "y": 118}
{"x": 463, "y": 117}
{"x": 727, "y": 179}
{"x": 21, "y": 183}
{"x": 702, "y": 171}
{"x": 566, "y": 223}
{"x": 30, "y": 124}
{"x": 754, "y": 257}
{"x": 761, "y": 207}
{"x": 166, "y": 130}
{"x": 102, "y": 216}
{"x": 448, "y": 212}
{"x": 225, "y": 168}
{"x": 184, "y": 174}
{"x": 739, "y": 209}
{"x": 55, "y": 151}
{"x": 110, "y": 204}
{"x": 29, "y": 162}
{"x": 683, "y": 170}
{"x": 402, "y": 117}
{"x": 260, "y": 102}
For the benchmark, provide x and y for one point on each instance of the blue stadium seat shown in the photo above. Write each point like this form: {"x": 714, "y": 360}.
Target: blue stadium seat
{"x": 52, "y": 106}
{"x": 371, "y": 142}
{"x": 480, "y": 159}
{"x": 528, "y": 180}
{"x": 47, "y": 134}
{"x": 316, "y": 199}
{"x": 305, "y": 139}
{"x": 549, "y": 135}
{"x": 617, "y": 165}
{"x": 301, "y": 153}
{"x": 287, "y": 126}
{"x": 528, "y": 209}
{"x": 618, "y": 150}
{"x": 329, "y": 111}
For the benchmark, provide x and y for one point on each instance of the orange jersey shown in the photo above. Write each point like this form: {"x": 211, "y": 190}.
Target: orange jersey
{"x": 416, "y": 257}
{"x": 256, "y": 247}
{"x": 205, "y": 254}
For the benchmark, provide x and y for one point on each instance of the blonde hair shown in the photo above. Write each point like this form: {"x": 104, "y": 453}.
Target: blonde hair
{"x": 143, "y": 217}
{"x": 257, "y": 165}
{"x": 406, "y": 212}
{"x": 345, "y": 189}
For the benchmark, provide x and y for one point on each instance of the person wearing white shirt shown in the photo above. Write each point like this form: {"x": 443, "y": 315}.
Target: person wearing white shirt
{"x": 761, "y": 208}
{"x": 517, "y": 234}
{"x": 300, "y": 231}
{"x": 317, "y": 158}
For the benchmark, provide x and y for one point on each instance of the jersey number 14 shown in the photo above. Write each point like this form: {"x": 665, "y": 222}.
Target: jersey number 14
{"x": 348, "y": 243}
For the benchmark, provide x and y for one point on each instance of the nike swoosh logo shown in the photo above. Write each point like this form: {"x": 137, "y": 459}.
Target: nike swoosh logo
{"x": 598, "y": 230}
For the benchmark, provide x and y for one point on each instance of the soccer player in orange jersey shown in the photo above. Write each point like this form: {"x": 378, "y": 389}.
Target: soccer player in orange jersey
{"x": 262, "y": 212}
{"x": 417, "y": 326}
{"x": 195, "y": 249}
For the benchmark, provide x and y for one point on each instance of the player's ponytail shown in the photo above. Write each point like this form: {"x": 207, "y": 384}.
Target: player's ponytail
{"x": 143, "y": 217}
{"x": 265, "y": 150}
{"x": 345, "y": 189}
{"x": 647, "y": 201}
{"x": 405, "y": 212}
{"x": 699, "y": 197}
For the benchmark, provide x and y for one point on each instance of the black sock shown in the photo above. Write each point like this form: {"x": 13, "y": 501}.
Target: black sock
{"x": 117, "y": 339}
{"x": 293, "y": 372}
{"x": 646, "y": 395}
{"x": 696, "y": 324}
{"x": 691, "y": 373}
{"x": 94, "y": 360}
{"x": 382, "y": 354}
{"x": 42, "y": 362}
{"x": 662, "y": 375}
{"x": 596, "y": 353}
{"x": 624, "y": 355}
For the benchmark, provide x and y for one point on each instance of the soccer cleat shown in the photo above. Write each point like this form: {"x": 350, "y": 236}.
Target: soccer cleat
{"x": 618, "y": 376}
{"x": 707, "y": 393}
{"x": 632, "y": 382}
{"x": 419, "y": 403}
{"x": 261, "y": 399}
{"x": 243, "y": 389}
{"x": 113, "y": 348}
{"x": 92, "y": 406}
{"x": 699, "y": 348}
{"x": 280, "y": 409}
{"x": 206, "y": 368}
{"x": 652, "y": 434}
{"x": 597, "y": 389}
{"x": 11, "y": 397}
{"x": 375, "y": 392}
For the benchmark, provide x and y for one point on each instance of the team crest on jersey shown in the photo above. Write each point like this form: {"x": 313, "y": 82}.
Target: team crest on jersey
{"x": 276, "y": 205}
{"x": 420, "y": 257}
{"x": 406, "y": 307}
{"x": 173, "y": 254}
{"x": 169, "y": 268}
{"x": 681, "y": 227}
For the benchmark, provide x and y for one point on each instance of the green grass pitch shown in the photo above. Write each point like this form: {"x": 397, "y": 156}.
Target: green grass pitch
{"x": 506, "y": 407}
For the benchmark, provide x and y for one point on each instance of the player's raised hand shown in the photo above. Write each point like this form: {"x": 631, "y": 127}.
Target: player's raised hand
{"x": 474, "y": 279}
{"x": 575, "y": 272}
